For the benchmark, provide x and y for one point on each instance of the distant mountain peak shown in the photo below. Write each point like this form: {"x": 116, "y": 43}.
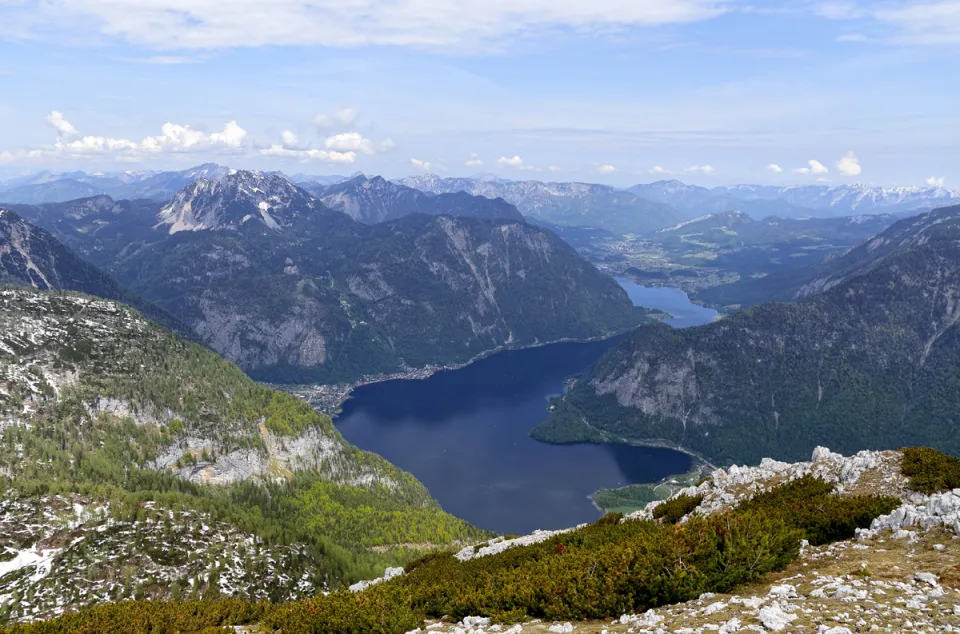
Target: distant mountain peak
{"x": 234, "y": 200}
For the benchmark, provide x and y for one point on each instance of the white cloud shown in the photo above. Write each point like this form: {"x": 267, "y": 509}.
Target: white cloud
{"x": 342, "y": 117}
{"x": 290, "y": 140}
{"x": 474, "y": 161}
{"x": 706, "y": 170}
{"x": 656, "y": 169}
{"x": 349, "y": 142}
{"x": 6, "y": 158}
{"x": 516, "y": 162}
{"x": 849, "y": 165}
{"x": 776, "y": 169}
{"x": 424, "y": 165}
{"x": 386, "y": 145}
{"x": 63, "y": 127}
{"x": 935, "y": 22}
{"x": 815, "y": 167}
{"x": 853, "y": 37}
{"x": 180, "y": 138}
{"x": 935, "y": 181}
{"x": 605, "y": 169}
{"x": 447, "y": 24}
{"x": 555, "y": 169}
{"x": 278, "y": 151}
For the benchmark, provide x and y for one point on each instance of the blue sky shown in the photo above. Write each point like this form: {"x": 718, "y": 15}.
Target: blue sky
{"x": 615, "y": 91}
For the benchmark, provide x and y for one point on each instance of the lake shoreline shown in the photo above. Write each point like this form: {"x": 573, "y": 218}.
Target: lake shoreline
{"x": 328, "y": 398}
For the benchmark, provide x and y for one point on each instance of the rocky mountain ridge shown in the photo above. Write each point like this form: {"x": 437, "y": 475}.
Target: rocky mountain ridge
{"x": 296, "y": 292}
{"x": 373, "y": 200}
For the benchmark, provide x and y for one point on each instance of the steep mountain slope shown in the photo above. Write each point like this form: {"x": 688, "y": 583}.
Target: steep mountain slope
{"x": 238, "y": 198}
{"x": 573, "y": 204}
{"x": 294, "y": 291}
{"x": 31, "y": 256}
{"x": 161, "y": 464}
{"x": 794, "y": 282}
{"x": 870, "y": 363}
{"x": 373, "y": 200}
{"x": 99, "y": 227}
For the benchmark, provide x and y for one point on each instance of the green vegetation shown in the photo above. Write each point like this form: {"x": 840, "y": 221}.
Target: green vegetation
{"x": 871, "y": 363}
{"x": 600, "y": 571}
{"x": 635, "y": 497}
{"x": 674, "y": 509}
{"x": 125, "y": 432}
{"x": 930, "y": 471}
{"x": 143, "y": 617}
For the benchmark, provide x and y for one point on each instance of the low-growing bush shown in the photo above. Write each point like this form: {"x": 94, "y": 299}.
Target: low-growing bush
{"x": 599, "y": 571}
{"x": 150, "y": 617}
{"x": 808, "y": 504}
{"x": 671, "y": 511}
{"x": 930, "y": 471}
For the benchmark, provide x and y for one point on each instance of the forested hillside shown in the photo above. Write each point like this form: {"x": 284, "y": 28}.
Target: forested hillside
{"x": 873, "y": 362}
{"x": 110, "y": 424}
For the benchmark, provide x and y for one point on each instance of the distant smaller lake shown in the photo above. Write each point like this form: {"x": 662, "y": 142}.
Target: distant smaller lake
{"x": 670, "y": 300}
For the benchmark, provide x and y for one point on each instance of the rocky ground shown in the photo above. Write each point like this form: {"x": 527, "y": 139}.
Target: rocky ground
{"x": 901, "y": 575}
{"x": 61, "y": 551}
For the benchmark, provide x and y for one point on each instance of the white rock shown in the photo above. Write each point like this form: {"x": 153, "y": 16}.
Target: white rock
{"x": 774, "y": 618}
{"x": 561, "y": 629}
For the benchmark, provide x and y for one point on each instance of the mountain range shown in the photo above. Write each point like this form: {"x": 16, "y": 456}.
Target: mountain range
{"x": 867, "y": 358}
{"x": 293, "y": 291}
{"x": 373, "y": 200}
{"x": 571, "y": 204}
{"x": 637, "y": 209}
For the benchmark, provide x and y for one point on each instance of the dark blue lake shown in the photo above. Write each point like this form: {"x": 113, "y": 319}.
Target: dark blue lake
{"x": 465, "y": 434}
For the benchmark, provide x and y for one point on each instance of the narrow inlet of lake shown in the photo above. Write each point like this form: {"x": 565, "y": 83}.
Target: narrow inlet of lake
{"x": 465, "y": 433}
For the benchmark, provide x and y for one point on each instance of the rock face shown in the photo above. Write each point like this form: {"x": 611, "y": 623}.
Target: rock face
{"x": 865, "y": 364}
{"x": 103, "y": 353}
{"x": 30, "y": 256}
{"x": 295, "y": 292}
{"x": 236, "y": 199}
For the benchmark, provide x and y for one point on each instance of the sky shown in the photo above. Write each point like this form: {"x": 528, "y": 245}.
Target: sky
{"x": 709, "y": 92}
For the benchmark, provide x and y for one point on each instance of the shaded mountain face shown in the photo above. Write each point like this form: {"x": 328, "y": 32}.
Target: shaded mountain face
{"x": 809, "y": 237}
{"x": 293, "y": 291}
{"x": 872, "y": 362}
{"x": 373, "y": 200}
{"x": 570, "y": 204}
{"x": 30, "y": 256}
{"x": 97, "y": 227}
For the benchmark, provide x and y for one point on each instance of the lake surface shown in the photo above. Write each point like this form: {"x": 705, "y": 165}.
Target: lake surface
{"x": 669, "y": 300}
{"x": 465, "y": 433}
